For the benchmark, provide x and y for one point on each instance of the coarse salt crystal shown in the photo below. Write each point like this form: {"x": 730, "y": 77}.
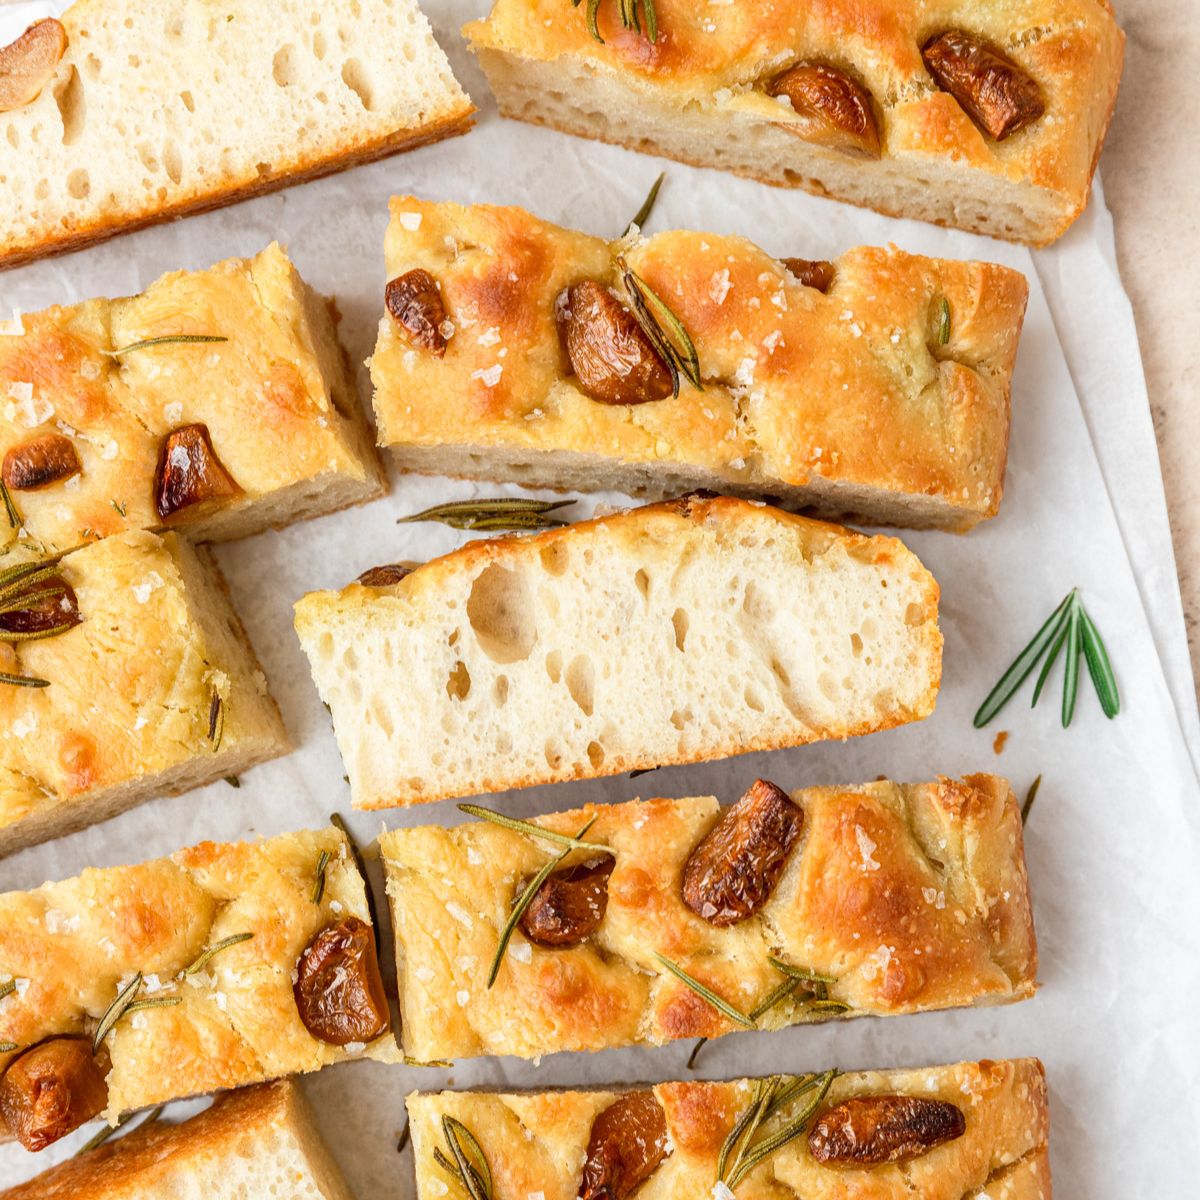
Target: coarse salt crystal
{"x": 490, "y": 376}
{"x": 866, "y": 849}
{"x": 410, "y": 221}
{"x": 14, "y": 326}
{"x": 459, "y": 913}
{"x": 490, "y": 337}
{"x": 173, "y": 412}
{"x": 521, "y": 951}
{"x": 719, "y": 285}
{"x": 463, "y": 997}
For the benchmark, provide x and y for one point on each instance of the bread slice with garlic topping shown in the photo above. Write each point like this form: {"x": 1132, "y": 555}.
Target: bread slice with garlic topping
{"x": 971, "y": 1131}
{"x": 679, "y": 632}
{"x": 257, "y": 1141}
{"x": 987, "y": 115}
{"x": 147, "y": 688}
{"x": 137, "y": 112}
{"x": 881, "y": 900}
{"x": 218, "y": 401}
{"x": 187, "y": 974}
{"x": 876, "y": 386}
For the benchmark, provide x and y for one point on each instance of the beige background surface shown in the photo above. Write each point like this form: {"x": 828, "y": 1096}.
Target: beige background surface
{"x": 1152, "y": 184}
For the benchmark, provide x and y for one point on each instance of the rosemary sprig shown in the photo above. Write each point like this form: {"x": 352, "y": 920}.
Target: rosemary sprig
{"x": 215, "y": 948}
{"x": 21, "y": 587}
{"x": 643, "y": 214}
{"x": 707, "y": 994}
{"x": 319, "y": 886}
{"x": 1068, "y": 626}
{"x": 663, "y": 328}
{"x": 106, "y": 1131}
{"x": 524, "y": 901}
{"x": 153, "y": 1002}
{"x": 505, "y": 514}
{"x": 466, "y": 1164}
{"x": 943, "y": 325}
{"x": 165, "y": 340}
{"x": 28, "y": 681}
{"x": 1030, "y": 796}
{"x": 216, "y": 720}
{"x": 10, "y": 507}
{"x": 7, "y": 988}
{"x": 630, "y": 18}
{"x": 535, "y": 831}
{"x": 115, "y": 1011}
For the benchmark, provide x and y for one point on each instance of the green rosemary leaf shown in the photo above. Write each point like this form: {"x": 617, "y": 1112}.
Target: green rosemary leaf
{"x": 153, "y": 1002}
{"x": 1030, "y": 796}
{"x": 216, "y": 720}
{"x": 11, "y": 635}
{"x": 440, "y": 1063}
{"x": 404, "y": 1138}
{"x": 651, "y": 19}
{"x": 773, "y": 997}
{"x": 1022, "y": 665}
{"x": 826, "y": 1007}
{"x": 524, "y": 901}
{"x": 119, "y": 507}
{"x": 642, "y": 771}
{"x": 664, "y": 329}
{"x": 535, "y": 831}
{"x": 28, "y": 681}
{"x": 706, "y": 994}
{"x": 1099, "y": 666}
{"x": 233, "y": 781}
{"x": 165, "y": 340}
{"x": 10, "y": 507}
{"x": 103, "y": 1134}
{"x": 216, "y": 948}
{"x": 1051, "y": 659}
{"x": 1071, "y": 676}
{"x": 23, "y": 599}
{"x": 318, "y": 891}
{"x": 786, "y": 1094}
{"x": 469, "y": 1159}
{"x": 628, "y": 10}
{"x": 691, "y": 1062}
{"x": 943, "y": 327}
{"x": 802, "y": 973}
{"x": 741, "y": 1126}
{"x": 8, "y": 1047}
{"x": 592, "y": 9}
{"x": 14, "y": 580}
{"x": 115, "y": 1011}
{"x": 791, "y": 1130}
{"x": 7, "y": 988}
{"x": 643, "y": 214}
{"x": 516, "y": 513}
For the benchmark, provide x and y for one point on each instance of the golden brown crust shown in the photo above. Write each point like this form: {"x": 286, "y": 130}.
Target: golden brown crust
{"x": 275, "y": 396}
{"x": 535, "y": 1141}
{"x": 803, "y": 390}
{"x": 913, "y": 897}
{"x": 719, "y": 59}
{"x": 71, "y": 945}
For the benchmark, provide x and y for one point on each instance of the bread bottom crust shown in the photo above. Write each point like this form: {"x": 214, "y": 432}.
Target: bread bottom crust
{"x": 299, "y": 171}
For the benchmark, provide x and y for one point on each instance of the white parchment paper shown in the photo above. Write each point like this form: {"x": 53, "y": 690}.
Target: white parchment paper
{"x": 1114, "y": 838}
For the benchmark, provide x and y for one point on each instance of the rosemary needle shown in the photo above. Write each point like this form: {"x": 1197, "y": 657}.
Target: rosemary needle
{"x": 165, "y": 340}
{"x": 1030, "y": 796}
{"x": 467, "y": 1162}
{"x": 707, "y": 994}
{"x": 643, "y": 214}
{"x": 514, "y": 514}
{"x": 535, "y": 831}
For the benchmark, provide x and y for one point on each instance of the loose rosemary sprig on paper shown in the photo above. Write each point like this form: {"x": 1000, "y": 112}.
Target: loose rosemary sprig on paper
{"x": 165, "y": 340}
{"x": 466, "y": 1162}
{"x": 526, "y": 898}
{"x": 770, "y": 1096}
{"x": 1030, "y": 797}
{"x": 663, "y": 328}
{"x": 1068, "y": 626}
{"x": 643, "y": 214}
{"x": 106, "y": 1131}
{"x": 630, "y": 17}
{"x": 508, "y": 514}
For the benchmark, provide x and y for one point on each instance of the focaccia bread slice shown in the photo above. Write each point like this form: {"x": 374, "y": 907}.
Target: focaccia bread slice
{"x": 127, "y": 112}
{"x": 888, "y": 898}
{"x": 987, "y": 115}
{"x": 875, "y": 387}
{"x": 224, "y": 1008}
{"x": 256, "y": 1141}
{"x": 101, "y": 432}
{"x": 679, "y": 632}
{"x": 969, "y": 1131}
{"x": 149, "y": 688}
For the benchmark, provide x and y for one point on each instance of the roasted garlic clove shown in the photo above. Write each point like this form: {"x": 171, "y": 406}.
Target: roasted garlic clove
{"x": 27, "y": 64}
{"x": 51, "y": 607}
{"x": 40, "y": 462}
{"x": 991, "y": 89}
{"x": 416, "y": 305}
{"x": 569, "y": 905}
{"x": 189, "y": 472}
{"x": 384, "y": 575}
{"x": 627, "y": 1143}
{"x": 51, "y": 1089}
{"x": 613, "y": 360}
{"x": 835, "y": 111}
{"x": 869, "y": 1130}
{"x": 812, "y": 272}
{"x": 339, "y": 991}
{"x": 731, "y": 874}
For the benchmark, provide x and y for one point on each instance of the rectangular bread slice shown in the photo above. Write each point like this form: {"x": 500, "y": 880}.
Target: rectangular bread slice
{"x": 102, "y": 432}
{"x": 868, "y": 122}
{"x": 557, "y": 1144}
{"x": 902, "y": 897}
{"x": 71, "y": 948}
{"x": 254, "y": 1142}
{"x": 882, "y": 395}
{"x": 155, "y": 690}
{"x": 679, "y": 632}
{"x": 154, "y": 111}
